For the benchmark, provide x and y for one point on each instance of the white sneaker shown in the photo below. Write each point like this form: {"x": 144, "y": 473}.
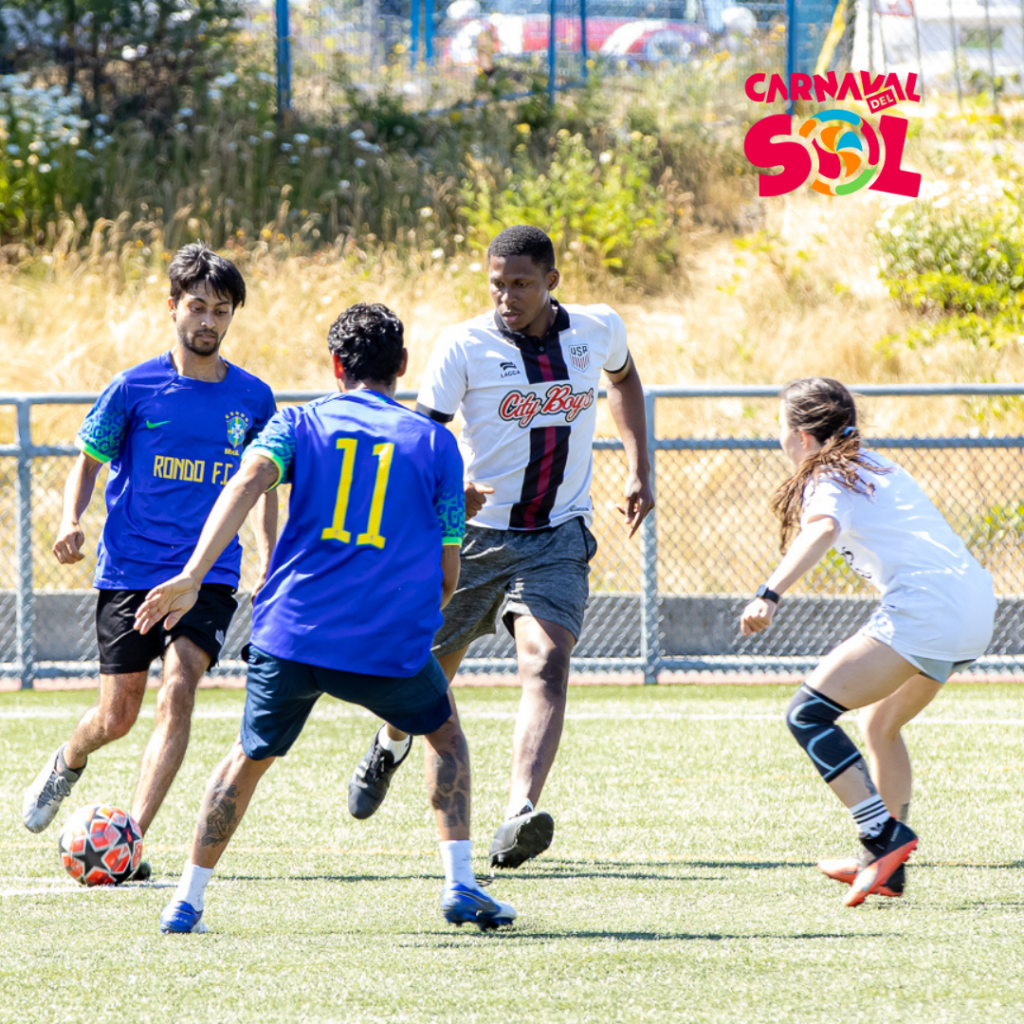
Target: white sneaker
{"x": 44, "y": 796}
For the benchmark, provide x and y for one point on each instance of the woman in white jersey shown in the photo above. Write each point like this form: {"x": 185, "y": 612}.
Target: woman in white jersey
{"x": 935, "y": 618}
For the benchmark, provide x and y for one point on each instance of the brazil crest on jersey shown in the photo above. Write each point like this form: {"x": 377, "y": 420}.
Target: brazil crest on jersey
{"x": 172, "y": 443}
{"x": 355, "y": 579}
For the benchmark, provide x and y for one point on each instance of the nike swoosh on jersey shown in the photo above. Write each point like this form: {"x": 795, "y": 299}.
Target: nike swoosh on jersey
{"x": 162, "y": 423}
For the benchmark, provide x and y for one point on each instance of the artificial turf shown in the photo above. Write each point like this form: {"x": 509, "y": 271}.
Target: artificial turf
{"x": 680, "y": 886}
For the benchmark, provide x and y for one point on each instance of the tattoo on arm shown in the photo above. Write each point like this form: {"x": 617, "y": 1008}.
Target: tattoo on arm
{"x": 220, "y": 815}
{"x": 451, "y": 783}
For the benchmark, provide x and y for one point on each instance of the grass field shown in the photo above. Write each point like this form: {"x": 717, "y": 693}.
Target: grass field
{"x": 680, "y": 887}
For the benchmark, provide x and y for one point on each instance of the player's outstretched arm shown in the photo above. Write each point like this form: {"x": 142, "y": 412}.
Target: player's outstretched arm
{"x": 811, "y": 545}
{"x": 236, "y": 501}
{"x": 264, "y": 529}
{"x": 77, "y": 494}
{"x": 626, "y": 402}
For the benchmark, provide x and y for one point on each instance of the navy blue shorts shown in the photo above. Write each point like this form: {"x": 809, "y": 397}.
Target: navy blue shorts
{"x": 280, "y": 694}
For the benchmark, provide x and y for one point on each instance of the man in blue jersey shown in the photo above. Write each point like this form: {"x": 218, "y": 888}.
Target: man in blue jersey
{"x": 172, "y": 431}
{"x": 353, "y": 597}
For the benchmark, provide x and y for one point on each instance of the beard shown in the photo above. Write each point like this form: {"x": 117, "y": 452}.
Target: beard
{"x": 201, "y": 344}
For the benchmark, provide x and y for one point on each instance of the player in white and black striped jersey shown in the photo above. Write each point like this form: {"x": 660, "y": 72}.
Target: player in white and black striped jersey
{"x": 525, "y": 378}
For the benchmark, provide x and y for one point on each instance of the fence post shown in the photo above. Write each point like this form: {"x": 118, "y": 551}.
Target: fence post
{"x": 23, "y": 602}
{"x": 583, "y": 38}
{"x": 284, "y": 60}
{"x": 991, "y": 60}
{"x": 552, "y": 58}
{"x": 954, "y": 32}
{"x": 650, "y": 634}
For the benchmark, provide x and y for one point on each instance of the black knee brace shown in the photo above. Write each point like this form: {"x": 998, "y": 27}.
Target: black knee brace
{"x": 811, "y": 718}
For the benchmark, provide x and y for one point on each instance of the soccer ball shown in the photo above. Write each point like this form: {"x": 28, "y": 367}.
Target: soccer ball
{"x": 100, "y": 845}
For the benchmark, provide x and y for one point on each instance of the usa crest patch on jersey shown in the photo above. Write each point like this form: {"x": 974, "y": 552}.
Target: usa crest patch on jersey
{"x": 579, "y": 356}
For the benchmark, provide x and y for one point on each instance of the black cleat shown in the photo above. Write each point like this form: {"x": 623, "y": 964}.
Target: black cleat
{"x": 369, "y": 783}
{"x": 520, "y": 838}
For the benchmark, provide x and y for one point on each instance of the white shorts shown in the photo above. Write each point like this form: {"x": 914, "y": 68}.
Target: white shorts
{"x": 925, "y": 640}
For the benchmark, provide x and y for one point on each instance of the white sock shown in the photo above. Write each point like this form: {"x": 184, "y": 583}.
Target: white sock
{"x": 870, "y": 816}
{"x": 192, "y": 885}
{"x": 457, "y": 856}
{"x": 398, "y": 748}
{"x": 517, "y": 807}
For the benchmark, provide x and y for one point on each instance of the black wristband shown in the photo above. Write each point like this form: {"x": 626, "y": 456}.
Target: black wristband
{"x": 768, "y": 595}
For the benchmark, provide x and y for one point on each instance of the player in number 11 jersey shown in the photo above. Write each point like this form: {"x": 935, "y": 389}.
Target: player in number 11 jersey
{"x": 353, "y": 597}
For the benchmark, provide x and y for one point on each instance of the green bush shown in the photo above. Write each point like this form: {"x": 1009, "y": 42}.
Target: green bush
{"x": 601, "y": 210}
{"x": 957, "y": 256}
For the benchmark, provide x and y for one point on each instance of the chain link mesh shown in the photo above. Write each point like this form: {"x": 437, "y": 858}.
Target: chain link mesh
{"x": 716, "y": 540}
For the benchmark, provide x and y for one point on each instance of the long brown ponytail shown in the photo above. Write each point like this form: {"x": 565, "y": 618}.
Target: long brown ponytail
{"x": 825, "y": 409}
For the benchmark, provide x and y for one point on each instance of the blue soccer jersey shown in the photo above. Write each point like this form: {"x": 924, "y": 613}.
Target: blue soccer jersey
{"x": 355, "y": 579}
{"x": 172, "y": 443}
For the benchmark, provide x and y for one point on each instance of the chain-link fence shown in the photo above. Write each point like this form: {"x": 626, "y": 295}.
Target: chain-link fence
{"x": 667, "y": 600}
{"x": 971, "y": 46}
{"x": 437, "y": 54}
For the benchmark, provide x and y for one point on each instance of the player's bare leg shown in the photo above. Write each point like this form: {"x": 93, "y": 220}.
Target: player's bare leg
{"x": 543, "y": 650}
{"x": 448, "y": 779}
{"x": 120, "y": 697}
{"x": 370, "y": 781}
{"x": 861, "y": 671}
{"x": 447, "y": 775}
{"x": 112, "y": 717}
{"x": 184, "y": 665}
{"x": 886, "y": 750}
{"x": 225, "y": 802}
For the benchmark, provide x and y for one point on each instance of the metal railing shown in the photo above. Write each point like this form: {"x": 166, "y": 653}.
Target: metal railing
{"x": 669, "y": 603}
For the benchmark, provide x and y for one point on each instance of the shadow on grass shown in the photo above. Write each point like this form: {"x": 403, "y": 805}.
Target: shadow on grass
{"x": 520, "y": 935}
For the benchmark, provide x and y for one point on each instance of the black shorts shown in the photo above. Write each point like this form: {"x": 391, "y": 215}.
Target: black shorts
{"x": 123, "y": 649}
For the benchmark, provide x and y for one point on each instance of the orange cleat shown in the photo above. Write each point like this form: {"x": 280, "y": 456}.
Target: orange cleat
{"x": 846, "y": 869}
{"x": 890, "y": 855}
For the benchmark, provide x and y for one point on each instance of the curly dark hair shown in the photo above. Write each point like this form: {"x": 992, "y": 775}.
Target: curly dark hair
{"x": 198, "y": 264}
{"x": 826, "y": 410}
{"x": 368, "y": 340}
{"x": 523, "y": 240}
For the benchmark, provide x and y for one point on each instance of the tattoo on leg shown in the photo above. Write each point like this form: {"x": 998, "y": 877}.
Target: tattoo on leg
{"x": 862, "y": 767}
{"x": 451, "y": 784}
{"x": 905, "y": 812}
{"x": 221, "y": 815}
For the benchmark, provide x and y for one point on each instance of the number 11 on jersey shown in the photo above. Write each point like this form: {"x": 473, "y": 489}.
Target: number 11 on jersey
{"x": 371, "y": 536}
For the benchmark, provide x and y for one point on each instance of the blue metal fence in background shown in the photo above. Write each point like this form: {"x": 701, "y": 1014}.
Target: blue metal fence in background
{"x": 669, "y": 603}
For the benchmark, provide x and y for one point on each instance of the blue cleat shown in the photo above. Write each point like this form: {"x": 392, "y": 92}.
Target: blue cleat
{"x": 461, "y": 904}
{"x": 181, "y": 918}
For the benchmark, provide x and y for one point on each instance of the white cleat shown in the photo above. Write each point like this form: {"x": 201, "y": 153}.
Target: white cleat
{"x": 44, "y": 796}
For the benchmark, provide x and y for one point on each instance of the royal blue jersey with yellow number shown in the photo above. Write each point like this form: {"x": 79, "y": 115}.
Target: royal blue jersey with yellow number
{"x": 172, "y": 443}
{"x": 355, "y": 579}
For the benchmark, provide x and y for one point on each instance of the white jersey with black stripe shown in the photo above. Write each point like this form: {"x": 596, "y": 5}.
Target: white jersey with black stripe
{"x": 530, "y": 410}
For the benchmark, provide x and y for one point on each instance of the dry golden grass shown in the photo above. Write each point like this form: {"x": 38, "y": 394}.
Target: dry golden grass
{"x": 802, "y": 297}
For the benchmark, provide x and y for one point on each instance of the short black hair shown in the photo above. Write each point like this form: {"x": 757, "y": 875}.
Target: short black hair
{"x": 523, "y": 240}
{"x": 368, "y": 340}
{"x": 198, "y": 264}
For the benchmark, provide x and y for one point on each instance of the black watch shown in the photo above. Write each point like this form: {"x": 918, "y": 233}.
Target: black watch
{"x": 767, "y": 594}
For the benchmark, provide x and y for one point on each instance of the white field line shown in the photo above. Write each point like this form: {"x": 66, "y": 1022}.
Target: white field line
{"x": 333, "y": 710}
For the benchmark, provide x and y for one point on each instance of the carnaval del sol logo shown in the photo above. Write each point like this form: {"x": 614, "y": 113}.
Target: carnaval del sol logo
{"x": 836, "y": 151}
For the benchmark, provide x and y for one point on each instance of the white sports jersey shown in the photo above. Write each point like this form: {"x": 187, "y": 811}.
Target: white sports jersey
{"x": 530, "y": 409}
{"x": 940, "y": 597}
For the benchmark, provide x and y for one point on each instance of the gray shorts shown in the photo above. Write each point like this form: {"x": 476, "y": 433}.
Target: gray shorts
{"x": 542, "y": 573}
